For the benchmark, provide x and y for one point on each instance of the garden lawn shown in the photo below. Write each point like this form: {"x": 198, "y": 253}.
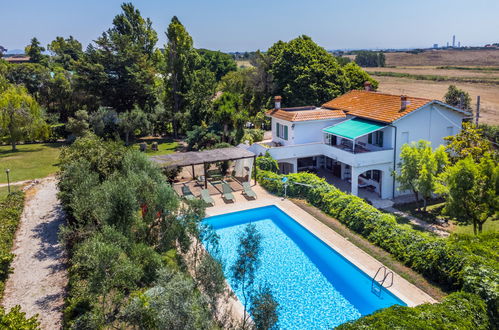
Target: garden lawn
{"x": 165, "y": 146}
{"x": 30, "y": 161}
{"x": 4, "y": 191}
{"x": 488, "y": 227}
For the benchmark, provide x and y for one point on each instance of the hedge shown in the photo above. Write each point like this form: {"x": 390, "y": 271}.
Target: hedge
{"x": 439, "y": 259}
{"x": 11, "y": 208}
{"x": 460, "y": 310}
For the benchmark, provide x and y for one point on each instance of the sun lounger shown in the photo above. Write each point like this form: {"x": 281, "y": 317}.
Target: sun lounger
{"x": 187, "y": 193}
{"x": 205, "y": 196}
{"x": 248, "y": 191}
{"x": 227, "y": 192}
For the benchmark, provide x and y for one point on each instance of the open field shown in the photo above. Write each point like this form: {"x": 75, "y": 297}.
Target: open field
{"x": 489, "y": 94}
{"x": 484, "y": 57}
{"x": 31, "y": 161}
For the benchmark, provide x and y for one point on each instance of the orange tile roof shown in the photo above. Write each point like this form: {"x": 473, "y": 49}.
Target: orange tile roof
{"x": 305, "y": 113}
{"x": 373, "y": 105}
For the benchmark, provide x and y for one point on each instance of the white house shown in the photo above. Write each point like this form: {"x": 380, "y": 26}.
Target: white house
{"x": 357, "y": 137}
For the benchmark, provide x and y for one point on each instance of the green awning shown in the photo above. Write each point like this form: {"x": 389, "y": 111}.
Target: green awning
{"x": 353, "y": 128}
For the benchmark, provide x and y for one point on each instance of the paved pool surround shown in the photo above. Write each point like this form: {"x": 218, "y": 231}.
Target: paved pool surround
{"x": 401, "y": 288}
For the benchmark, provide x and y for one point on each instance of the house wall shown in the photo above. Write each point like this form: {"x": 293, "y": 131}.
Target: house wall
{"x": 302, "y": 131}
{"x": 431, "y": 123}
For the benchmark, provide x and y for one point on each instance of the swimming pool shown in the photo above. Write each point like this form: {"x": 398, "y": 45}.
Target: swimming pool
{"x": 314, "y": 285}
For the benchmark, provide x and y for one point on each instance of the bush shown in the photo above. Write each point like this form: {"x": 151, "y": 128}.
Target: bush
{"x": 16, "y": 320}
{"x": 450, "y": 262}
{"x": 10, "y": 213}
{"x": 267, "y": 163}
{"x": 459, "y": 310}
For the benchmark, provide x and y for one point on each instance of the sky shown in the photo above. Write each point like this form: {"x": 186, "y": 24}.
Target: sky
{"x": 233, "y": 25}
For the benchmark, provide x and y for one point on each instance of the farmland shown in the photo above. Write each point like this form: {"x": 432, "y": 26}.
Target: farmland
{"x": 429, "y": 74}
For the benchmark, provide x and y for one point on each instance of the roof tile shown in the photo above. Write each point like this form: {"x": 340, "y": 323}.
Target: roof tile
{"x": 376, "y": 106}
{"x": 305, "y": 114}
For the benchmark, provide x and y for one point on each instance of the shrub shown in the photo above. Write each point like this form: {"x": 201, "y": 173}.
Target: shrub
{"x": 10, "y": 213}
{"x": 16, "y": 320}
{"x": 451, "y": 262}
{"x": 267, "y": 163}
{"x": 459, "y": 310}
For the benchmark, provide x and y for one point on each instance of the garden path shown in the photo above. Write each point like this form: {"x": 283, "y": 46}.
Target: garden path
{"x": 38, "y": 281}
{"x": 418, "y": 222}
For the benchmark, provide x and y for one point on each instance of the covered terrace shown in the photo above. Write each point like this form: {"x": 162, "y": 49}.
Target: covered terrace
{"x": 209, "y": 169}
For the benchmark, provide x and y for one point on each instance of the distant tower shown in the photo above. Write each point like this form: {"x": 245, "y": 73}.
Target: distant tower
{"x": 435, "y": 45}
{"x": 459, "y": 44}
{"x": 453, "y": 41}
{"x": 447, "y": 44}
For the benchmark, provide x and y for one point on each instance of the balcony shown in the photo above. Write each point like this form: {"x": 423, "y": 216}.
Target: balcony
{"x": 369, "y": 155}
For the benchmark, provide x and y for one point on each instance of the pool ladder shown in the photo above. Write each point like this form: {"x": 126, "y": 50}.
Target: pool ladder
{"x": 377, "y": 285}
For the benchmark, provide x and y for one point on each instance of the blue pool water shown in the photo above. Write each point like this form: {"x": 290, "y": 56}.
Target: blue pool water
{"x": 315, "y": 286}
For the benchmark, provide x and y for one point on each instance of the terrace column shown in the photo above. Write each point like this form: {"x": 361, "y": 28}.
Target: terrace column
{"x": 354, "y": 182}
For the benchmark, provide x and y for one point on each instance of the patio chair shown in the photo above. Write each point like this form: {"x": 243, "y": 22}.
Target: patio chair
{"x": 205, "y": 196}
{"x": 248, "y": 191}
{"x": 227, "y": 192}
{"x": 187, "y": 193}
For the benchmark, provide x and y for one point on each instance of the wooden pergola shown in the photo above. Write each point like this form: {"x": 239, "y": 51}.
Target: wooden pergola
{"x": 192, "y": 158}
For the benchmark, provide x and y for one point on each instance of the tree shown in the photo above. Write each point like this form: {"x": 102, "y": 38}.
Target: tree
{"x": 419, "y": 168}
{"x": 120, "y": 68}
{"x": 78, "y": 125}
{"x": 247, "y": 262}
{"x": 131, "y": 121}
{"x": 264, "y": 309}
{"x": 370, "y": 59}
{"x": 35, "y": 77}
{"x": 305, "y": 73}
{"x": 20, "y": 116}
{"x": 468, "y": 142}
{"x": 181, "y": 60}
{"x": 217, "y": 62}
{"x": 457, "y": 98}
{"x": 471, "y": 191}
{"x": 358, "y": 77}
{"x": 34, "y": 51}
{"x": 65, "y": 51}
{"x": 228, "y": 113}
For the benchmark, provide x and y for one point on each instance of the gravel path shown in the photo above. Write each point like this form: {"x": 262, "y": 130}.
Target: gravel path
{"x": 39, "y": 276}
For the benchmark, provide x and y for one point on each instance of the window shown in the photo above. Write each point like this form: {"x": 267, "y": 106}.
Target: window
{"x": 375, "y": 138}
{"x": 450, "y": 131}
{"x": 281, "y": 131}
{"x": 405, "y": 137}
{"x": 331, "y": 139}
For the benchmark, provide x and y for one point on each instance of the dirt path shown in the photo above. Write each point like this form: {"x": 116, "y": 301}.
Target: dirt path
{"x": 39, "y": 274}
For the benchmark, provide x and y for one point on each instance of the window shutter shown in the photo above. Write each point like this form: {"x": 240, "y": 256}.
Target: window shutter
{"x": 370, "y": 138}
{"x": 285, "y": 132}
{"x": 277, "y": 129}
{"x": 380, "y": 142}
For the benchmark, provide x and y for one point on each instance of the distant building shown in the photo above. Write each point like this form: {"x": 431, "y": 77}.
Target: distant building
{"x": 447, "y": 44}
{"x": 435, "y": 45}
{"x": 453, "y": 41}
{"x": 17, "y": 59}
{"x": 459, "y": 44}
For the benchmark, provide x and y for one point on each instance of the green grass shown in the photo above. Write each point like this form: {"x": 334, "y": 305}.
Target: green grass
{"x": 165, "y": 146}
{"x": 469, "y": 68}
{"x": 433, "y": 212}
{"x": 494, "y": 81}
{"x": 488, "y": 227}
{"x": 4, "y": 191}
{"x": 31, "y": 161}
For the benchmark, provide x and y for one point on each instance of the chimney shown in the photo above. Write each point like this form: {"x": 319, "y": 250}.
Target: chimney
{"x": 277, "y": 101}
{"x": 403, "y": 102}
{"x": 367, "y": 86}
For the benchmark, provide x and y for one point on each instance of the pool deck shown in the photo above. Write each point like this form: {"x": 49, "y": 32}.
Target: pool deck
{"x": 406, "y": 291}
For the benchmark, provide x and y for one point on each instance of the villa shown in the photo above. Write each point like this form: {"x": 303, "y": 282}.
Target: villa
{"x": 354, "y": 140}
